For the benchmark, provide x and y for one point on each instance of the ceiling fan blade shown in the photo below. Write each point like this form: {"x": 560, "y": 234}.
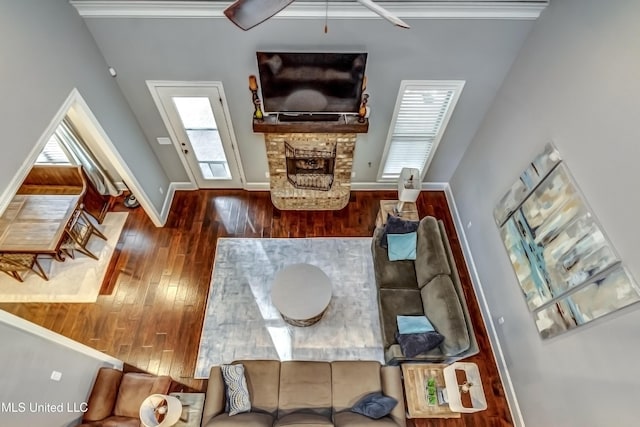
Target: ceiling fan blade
{"x": 247, "y": 14}
{"x": 384, "y": 13}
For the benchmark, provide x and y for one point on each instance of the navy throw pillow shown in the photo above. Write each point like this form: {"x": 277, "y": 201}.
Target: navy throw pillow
{"x": 375, "y": 405}
{"x": 415, "y": 344}
{"x": 397, "y": 225}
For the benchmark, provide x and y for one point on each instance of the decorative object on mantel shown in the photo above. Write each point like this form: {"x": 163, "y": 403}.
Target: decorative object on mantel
{"x": 363, "y": 111}
{"x": 253, "y": 87}
{"x": 409, "y": 186}
{"x": 567, "y": 268}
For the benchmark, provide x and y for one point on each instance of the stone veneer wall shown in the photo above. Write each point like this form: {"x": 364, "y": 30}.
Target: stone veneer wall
{"x": 285, "y": 196}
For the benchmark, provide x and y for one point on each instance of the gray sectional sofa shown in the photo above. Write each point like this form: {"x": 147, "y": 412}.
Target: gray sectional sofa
{"x": 429, "y": 285}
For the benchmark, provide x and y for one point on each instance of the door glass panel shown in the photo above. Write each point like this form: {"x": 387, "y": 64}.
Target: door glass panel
{"x": 197, "y": 118}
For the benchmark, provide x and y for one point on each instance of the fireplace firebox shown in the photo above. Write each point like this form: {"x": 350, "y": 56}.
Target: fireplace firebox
{"x": 310, "y": 169}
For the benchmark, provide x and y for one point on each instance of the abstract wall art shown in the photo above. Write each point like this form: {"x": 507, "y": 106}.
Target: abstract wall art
{"x": 567, "y": 268}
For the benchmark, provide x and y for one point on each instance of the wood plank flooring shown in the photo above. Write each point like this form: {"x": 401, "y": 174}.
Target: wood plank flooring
{"x": 152, "y": 303}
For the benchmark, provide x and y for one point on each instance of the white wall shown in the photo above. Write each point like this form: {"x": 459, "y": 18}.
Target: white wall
{"x": 28, "y": 357}
{"x": 46, "y": 51}
{"x": 478, "y": 51}
{"x": 575, "y": 83}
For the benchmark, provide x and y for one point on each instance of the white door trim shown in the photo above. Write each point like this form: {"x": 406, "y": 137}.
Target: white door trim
{"x": 154, "y": 85}
{"x": 76, "y": 101}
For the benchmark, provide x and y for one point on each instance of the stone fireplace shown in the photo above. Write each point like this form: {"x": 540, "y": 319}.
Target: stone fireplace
{"x": 310, "y": 171}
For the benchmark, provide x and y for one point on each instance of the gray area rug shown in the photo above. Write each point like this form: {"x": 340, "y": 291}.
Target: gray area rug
{"x": 242, "y": 323}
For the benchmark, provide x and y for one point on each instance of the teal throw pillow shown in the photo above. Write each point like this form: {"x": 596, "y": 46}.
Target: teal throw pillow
{"x": 236, "y": 389}
{"x": 413, "y": 324}
{"x": 402, "y": 246}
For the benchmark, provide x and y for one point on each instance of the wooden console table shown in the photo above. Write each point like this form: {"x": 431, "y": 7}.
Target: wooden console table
{"x": 415, "y": 377}
{"x": 409, "y": 211}
{"x": 192, "y": 407}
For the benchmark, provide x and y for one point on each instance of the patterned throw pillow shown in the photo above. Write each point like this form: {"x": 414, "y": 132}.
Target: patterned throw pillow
{"x": 236, "y": 389}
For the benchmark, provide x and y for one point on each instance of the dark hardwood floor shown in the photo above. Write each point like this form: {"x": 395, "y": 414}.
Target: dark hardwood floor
{"x": 152, "y": 303}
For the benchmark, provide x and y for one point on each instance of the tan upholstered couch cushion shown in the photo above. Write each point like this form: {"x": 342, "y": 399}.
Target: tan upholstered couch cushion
{"x": 305, "y": 385}
{"x": 263, "y": 381}
{"x": 134, "y": 388}
{"x": 247, "y": 419}
{"x": 351, "y": 419}
{"x": 303, "y": 420}
{"x": 351, "y": 380}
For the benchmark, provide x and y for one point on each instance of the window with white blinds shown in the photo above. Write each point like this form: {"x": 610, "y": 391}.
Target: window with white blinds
{"x": 421, "y": 115}
{"x": 53, "y": 153}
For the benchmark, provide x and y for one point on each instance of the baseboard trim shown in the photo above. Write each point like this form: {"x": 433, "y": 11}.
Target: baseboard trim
{"x": 505, "y": 376}
{"x": 171, "y": 191}
{"x": 358, "y": 186}
{"x": 257, "y": 186}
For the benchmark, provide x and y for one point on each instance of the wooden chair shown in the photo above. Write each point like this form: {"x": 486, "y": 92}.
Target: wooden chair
{"x": 13, "y": 264}
{"x": 78, "y": 233}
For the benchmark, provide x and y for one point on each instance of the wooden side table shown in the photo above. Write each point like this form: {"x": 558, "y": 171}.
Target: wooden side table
{"x": 192, "y": 407}
{"x": 409, "y": 211}
{"x": 415, "y": 377}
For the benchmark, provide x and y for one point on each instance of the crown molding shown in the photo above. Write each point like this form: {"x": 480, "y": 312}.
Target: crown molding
{"x": 523, "y": 10}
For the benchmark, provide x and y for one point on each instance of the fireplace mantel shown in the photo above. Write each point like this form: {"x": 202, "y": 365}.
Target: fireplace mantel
{"x": 346, "y": 124}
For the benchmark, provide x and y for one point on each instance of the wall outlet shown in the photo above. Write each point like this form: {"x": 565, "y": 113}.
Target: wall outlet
{"x": 161, "y": 190}
{"x": 353, "y": 174}
{"x": 267, "y": 174}
{"x": 56, "y": 375}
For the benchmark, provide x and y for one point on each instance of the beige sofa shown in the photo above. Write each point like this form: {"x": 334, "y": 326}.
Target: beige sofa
{"x": 305, "y": 393}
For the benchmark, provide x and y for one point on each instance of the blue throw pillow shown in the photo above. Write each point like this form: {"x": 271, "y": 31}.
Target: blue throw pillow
{"x": 375, "y": 405}
{"x": 413, "y": 324}
{"x": 415, "y": 344}
{"x": 397, "y": 225}
{"x": 402, "y": 246}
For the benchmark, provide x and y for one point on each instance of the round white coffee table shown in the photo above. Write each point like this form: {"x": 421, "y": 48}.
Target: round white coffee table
{"x": 301, "y": 293}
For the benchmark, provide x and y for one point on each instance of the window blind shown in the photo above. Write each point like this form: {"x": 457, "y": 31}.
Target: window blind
{"x": 52, "y": 153}
{"x": 420, "y": 117}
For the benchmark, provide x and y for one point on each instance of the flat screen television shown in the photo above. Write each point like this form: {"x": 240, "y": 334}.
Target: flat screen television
{"x": 295, "y": 82}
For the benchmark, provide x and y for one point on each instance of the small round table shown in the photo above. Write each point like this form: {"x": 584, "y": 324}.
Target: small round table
{"x": 301, "y": 293}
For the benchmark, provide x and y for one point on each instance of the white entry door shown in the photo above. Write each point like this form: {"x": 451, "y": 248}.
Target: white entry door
{"x": 201, "y": 130}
